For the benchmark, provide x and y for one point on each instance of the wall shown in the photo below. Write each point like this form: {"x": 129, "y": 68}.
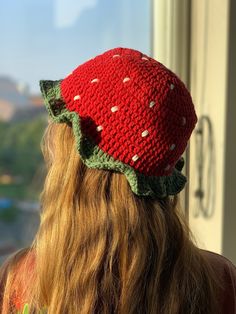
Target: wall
{"x": 195, "y": 40}
{"x": 209, "y": 62}
{"x": 229, "y": 223}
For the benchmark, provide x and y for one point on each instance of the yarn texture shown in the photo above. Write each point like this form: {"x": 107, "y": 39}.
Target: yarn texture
{"x": 129, "y": 114}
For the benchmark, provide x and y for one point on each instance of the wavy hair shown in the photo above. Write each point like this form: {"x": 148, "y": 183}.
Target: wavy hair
{"x": 102, "y": 249}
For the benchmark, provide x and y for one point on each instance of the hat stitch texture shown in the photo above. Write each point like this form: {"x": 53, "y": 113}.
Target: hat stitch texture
{"x": 127, "y": 115}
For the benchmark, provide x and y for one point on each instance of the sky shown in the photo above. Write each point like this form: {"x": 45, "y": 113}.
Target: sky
{"x": 47, "y": 39}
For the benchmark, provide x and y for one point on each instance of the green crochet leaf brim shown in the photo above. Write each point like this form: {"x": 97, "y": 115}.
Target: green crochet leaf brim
{"x": 94, "y": 157}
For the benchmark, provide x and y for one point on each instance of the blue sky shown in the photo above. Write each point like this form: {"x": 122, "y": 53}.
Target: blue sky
{"x": 46, "y": 39}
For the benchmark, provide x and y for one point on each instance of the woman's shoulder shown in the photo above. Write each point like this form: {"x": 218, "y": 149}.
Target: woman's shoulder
{"x": 16, "y": 270}
{"x": 225, "y": 272}
{"x": 16, "y": 262}
{"x": 220, "y": 262}
{"x": 223, "y": 267}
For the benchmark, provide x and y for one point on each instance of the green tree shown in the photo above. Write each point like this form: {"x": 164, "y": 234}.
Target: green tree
{"x": 20, "y": 153}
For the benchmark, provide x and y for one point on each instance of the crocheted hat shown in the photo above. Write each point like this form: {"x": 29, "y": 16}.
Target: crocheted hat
{"x": 129, "y": 114}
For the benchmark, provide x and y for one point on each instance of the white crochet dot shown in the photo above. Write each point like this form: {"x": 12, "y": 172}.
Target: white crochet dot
{"x": 114, "y": 109}
{"x": 135, "y": 157}
{"x": 77, "y": 97}
{"x": 99, "y": 128}
{"x": 145, "y": 133}
{"x": 172, "y": 147}
{"x": 183, "y": 120}
{"x": 115, "y": 56}
{"x": 152, "y": 103}
{"x": 167, "y": 168}
{"x": 126, "y": 79}
{"x": 145, "y": 58}
{"x": 172, "y": 86}
{"x": 96, "y": 80}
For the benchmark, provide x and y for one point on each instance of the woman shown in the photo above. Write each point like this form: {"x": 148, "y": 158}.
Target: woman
{"x": 112, "y": 238}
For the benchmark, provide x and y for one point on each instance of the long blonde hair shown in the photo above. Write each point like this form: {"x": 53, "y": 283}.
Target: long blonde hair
{"x": 102, "y": 249}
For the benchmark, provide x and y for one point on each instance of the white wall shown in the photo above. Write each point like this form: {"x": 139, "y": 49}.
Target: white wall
{"x": 209, "y": 68}
{"x": 197, "y": 42}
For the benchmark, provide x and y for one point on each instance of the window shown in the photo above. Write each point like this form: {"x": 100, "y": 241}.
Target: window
{"x": 45, "y": 39}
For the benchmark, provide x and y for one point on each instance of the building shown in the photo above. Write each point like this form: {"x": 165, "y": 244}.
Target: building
{"x": 16, "y": 103}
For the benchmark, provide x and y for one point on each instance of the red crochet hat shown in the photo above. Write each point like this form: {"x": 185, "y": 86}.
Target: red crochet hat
{"x": 129, "y": 114}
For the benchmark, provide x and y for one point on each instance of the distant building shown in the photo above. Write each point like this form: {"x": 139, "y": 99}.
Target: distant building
{"x": 16, "y": 103}
{"x": 36, "y": 100}
{"x": 27, "y": 113}
{"x": 7, "y": 110}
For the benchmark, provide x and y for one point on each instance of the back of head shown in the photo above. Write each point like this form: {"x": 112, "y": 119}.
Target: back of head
{"x": 108, "y": 250}
{"x": 112, "y": 238}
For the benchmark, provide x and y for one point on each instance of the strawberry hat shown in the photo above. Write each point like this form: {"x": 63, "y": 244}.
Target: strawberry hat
{"x": 130, "y": 114}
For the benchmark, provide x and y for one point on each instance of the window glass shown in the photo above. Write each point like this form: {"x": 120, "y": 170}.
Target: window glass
{"x": 47, "y": 39}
